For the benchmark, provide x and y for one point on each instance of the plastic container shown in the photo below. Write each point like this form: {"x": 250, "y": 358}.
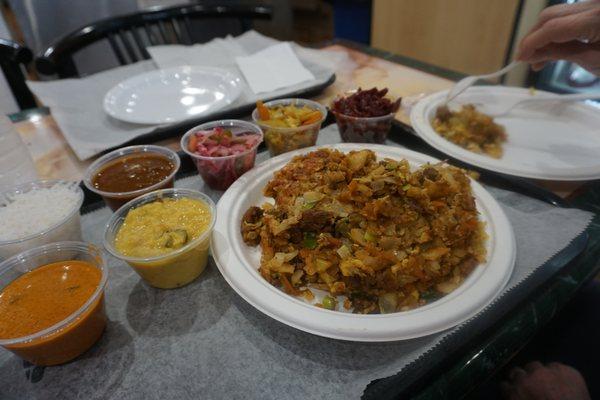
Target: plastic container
{"x": 281, "y": 140}
{"x": 75, "y": 334}
{"x": 68, "y": 229}
{"x": 364, "y": 130}
{"x": 16, "y": 165}
{"x": 220, "y": 172}
{"x": 171, "y": 270}
{"x": 114, "y": 200}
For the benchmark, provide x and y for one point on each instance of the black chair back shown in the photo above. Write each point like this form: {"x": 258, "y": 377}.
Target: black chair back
{"x": 12, "y": 57}
{"x": 129, "y": 35}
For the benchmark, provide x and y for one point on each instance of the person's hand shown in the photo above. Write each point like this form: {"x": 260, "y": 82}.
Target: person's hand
{"x": 545, "y": 382}
{"x": 565, "y": 32}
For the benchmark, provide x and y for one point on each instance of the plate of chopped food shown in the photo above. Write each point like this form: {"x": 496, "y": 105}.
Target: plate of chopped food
{"x": 546, "y": 140}
{"x": 363, "y": 242}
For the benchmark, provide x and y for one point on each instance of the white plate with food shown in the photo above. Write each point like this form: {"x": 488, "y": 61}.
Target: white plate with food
{"x": 552, "y": 141}
{"x": 401, "y": 240}
{"x": 172, "y": 95}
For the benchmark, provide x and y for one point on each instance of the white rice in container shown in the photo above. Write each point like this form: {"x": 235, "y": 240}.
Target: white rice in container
{"x": 39, "y": 213}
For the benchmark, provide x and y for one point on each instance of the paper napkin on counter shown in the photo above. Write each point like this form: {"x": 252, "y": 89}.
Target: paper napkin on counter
{"x": 219, "y": 52}
{"x": 273, "y": 68}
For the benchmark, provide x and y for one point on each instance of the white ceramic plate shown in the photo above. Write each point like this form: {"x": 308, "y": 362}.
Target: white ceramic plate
{"x": 545, "y": 141}
{"x": 239, "y": 265}
{"x": 172, "y": 95}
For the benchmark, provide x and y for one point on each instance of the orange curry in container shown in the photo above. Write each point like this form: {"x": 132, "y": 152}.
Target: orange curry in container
{"x": 45, "y": 297}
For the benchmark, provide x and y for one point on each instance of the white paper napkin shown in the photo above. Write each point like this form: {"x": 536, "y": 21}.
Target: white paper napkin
{"x": 273, "y": 68}
{"x": 219, "y": 52}
{"x": 77, "y": 107}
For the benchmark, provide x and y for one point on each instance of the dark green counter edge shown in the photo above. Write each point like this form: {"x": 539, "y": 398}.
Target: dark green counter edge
{"x": 510, "y": 335}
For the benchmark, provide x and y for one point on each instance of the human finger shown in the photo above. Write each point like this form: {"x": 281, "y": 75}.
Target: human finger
{"x": 561, "y": 30}
{"x": 560, "y": 367}
{"x": 560, "y": 10}
{"x": 558, "y": 51}
{"x": 556, "y": 11}
{"x": 532, "y": 366}
{"x": 570, "y": 376}
{"x": 538, "y": 66}
{"x": 516, "y": 374}
{"x": 585, "y": 55}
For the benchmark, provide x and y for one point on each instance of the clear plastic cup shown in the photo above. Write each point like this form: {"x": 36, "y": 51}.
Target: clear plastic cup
{"x": 220, "y": 172}
{"x": 67, "y": 229}
{"x": 363, "y": 129}
{"x": 281, "y": 140}
{"x": 174, "y": 269}
{"x": 73, "y": 335}
{"x": 16, "y": 164}
{"x": 114, "y": 200}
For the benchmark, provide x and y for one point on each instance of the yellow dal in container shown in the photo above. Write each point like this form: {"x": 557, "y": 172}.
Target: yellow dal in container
{"x": 162, "y": 227}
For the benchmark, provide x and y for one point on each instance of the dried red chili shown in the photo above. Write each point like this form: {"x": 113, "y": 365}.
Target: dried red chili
{"x": 366, "y": 103}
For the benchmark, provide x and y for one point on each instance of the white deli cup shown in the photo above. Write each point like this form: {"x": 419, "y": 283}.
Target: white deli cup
{"x": 67, "y": 229}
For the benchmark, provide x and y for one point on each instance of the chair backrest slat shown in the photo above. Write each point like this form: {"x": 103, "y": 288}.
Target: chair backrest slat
{"x": 123, "y": 35}
{"x": 176, "y": 30}
{"x": 163, "y": 32}
{"x": 161, "y": 26}
{"x": 140, "y": 44}
{"x": 115, "y": 48}
{"x": 151, "y": 38}
{"x": 188, "y": 28}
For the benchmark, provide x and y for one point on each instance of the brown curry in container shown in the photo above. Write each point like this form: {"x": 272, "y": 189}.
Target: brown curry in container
{"x": 131, "y": 172}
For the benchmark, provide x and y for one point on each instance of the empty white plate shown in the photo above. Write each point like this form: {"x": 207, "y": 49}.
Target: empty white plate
{"x": 554, "y": 141}
{"x": 172, "y": 95}
{"x": 239, "y": 264}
